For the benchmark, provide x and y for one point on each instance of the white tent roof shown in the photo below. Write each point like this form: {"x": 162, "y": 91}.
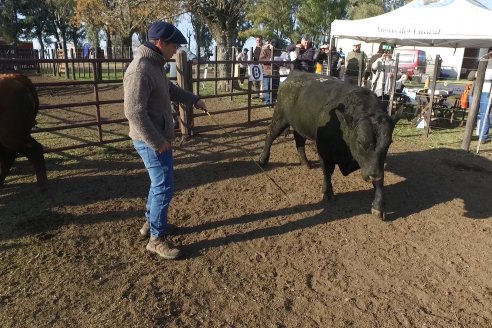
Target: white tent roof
{"x": 440, "y": 23}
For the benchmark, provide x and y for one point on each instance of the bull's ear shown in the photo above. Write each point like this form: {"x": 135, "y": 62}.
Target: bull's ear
{"x": 343, "y": 117}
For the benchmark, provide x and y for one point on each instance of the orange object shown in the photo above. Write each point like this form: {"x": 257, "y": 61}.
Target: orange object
{"x": 464, "y": 104}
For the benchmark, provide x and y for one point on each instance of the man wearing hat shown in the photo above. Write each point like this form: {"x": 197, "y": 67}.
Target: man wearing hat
{"x": 355, "y": 65}
{"x": 147, "y": 105}
{"x": 242, "y": 59}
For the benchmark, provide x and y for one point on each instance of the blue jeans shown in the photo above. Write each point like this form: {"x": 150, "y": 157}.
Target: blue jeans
{"x": 271, "y": 89}
{"x": 483, "y": 122}
{"x": 160, "y": 169}
{"x": 266, "y": 88}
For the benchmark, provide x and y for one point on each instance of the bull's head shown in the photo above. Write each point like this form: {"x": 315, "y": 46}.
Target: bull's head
{"x": 368, "y": 136}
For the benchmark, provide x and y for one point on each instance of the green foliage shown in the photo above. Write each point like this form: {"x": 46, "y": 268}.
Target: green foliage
{"x": 203, "y": 37}
{"x": 273, "y": 18}
{"x": 315, "y": 18}
{"x": 359, "y": 9}
{"x": 10, "y": 23}
{"x": 365, "y": 9}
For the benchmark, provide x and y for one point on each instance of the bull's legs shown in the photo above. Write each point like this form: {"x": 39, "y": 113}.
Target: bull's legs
{"x": 328, "y": 167}
{"x": 34, "y": 153}
{"x": 378, "y": 202}
{"x": 301, "y": 149}
{"x": 277, "y": 126}
{"x": 7, "y": 158}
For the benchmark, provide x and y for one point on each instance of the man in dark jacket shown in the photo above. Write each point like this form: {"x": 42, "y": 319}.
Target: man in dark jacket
{"x": 334, "y": 58}
{"x": 304, "y": 55}
{"x": 355, "y": 65}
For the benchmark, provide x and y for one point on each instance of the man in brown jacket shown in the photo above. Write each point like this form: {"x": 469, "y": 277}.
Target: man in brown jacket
{"x": 147, "y": 105}
{"x": 271, "y": 78}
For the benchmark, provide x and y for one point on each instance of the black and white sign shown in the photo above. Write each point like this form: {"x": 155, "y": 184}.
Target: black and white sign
{"x": 255, "y": 72}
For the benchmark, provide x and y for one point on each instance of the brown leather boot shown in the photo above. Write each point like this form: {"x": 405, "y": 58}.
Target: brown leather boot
{"x": 163, "y": 248}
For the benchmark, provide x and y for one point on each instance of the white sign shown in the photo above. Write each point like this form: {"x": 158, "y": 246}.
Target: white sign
{"x": 255, "y": 72}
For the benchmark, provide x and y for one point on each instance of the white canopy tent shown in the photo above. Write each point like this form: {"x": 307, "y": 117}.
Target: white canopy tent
{"x": 426, "y": 23}
{"x": 434, "y": 23}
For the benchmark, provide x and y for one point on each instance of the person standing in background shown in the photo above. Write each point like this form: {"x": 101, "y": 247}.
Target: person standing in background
{"x": 271, "y": 79}
{"x": 304, "y": 55}
{"x": 355, "y": 65}
{"x": 256, "y": 57}
{"x": 483, "y": 117}
{"x": 383, "y": 77}
{"x": 321, "y": 59}
{"x": 242, "y": 58}
{"x": 341, "y": 53}
{"x": 335, "y": 57}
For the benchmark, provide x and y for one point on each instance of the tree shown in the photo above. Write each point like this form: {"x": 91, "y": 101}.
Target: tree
{"x": 222, "y": 18}
{"x": 63, "y": 13}
{"x": 124, "y": 18}
{"x": 203, "y": 37}
{"x": 10, "y": 23}
{"x": 92, "y": 14}
{"x": 365, "y": 9}
{"x": 37, "y": 19}
{"x": 359, "y": 9}
{"x": 273, "y": 18}
{"x": 315, "y": 17}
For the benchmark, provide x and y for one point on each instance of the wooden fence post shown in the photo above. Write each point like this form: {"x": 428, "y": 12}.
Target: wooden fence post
{"x": 393, "y": 85}
{"x": 54, "y": 62}
{"x": 472, "y": 112}
{"x": 233, "y": 71}
{"x": 183, "y": 76}
{"x": 428, "y": 114}
{"x": 216, "y": 74}
{"x": 72, "y": 55}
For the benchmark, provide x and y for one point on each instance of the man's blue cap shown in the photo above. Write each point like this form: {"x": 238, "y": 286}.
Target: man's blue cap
{"x": 166, "y": 32}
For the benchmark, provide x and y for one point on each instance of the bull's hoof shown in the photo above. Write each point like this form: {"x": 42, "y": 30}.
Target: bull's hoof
{"x": 262, "y": 162}
{"x": 378, "y": 213}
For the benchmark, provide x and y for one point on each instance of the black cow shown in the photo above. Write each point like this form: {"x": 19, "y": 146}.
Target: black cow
{"x": 19, "y": 106}
{"x": 348, "y": 123}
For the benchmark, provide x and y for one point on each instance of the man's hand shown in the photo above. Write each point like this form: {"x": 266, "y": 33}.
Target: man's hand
{"x": 166, "y": 146}
{"x": 200, "y": 104}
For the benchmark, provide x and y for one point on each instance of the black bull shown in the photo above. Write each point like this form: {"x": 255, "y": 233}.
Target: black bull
{"x": 348, "y": 123}
{"x": 19, "y": 105}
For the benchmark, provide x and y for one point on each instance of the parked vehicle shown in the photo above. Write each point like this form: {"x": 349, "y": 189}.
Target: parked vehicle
{"x": 411, "y": 61}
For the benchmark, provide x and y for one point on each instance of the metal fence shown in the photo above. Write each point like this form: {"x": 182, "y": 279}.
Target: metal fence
{"x": 100, "y": 73}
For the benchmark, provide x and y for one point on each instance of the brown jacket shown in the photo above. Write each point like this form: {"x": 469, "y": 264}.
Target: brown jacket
{"x": 266, "y": 55}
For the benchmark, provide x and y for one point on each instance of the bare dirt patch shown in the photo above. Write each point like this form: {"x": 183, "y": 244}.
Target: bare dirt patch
{"x": 71, "y": 256}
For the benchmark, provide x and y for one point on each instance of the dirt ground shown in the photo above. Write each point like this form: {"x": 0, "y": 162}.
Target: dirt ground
{"x": 71, "y": 255}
